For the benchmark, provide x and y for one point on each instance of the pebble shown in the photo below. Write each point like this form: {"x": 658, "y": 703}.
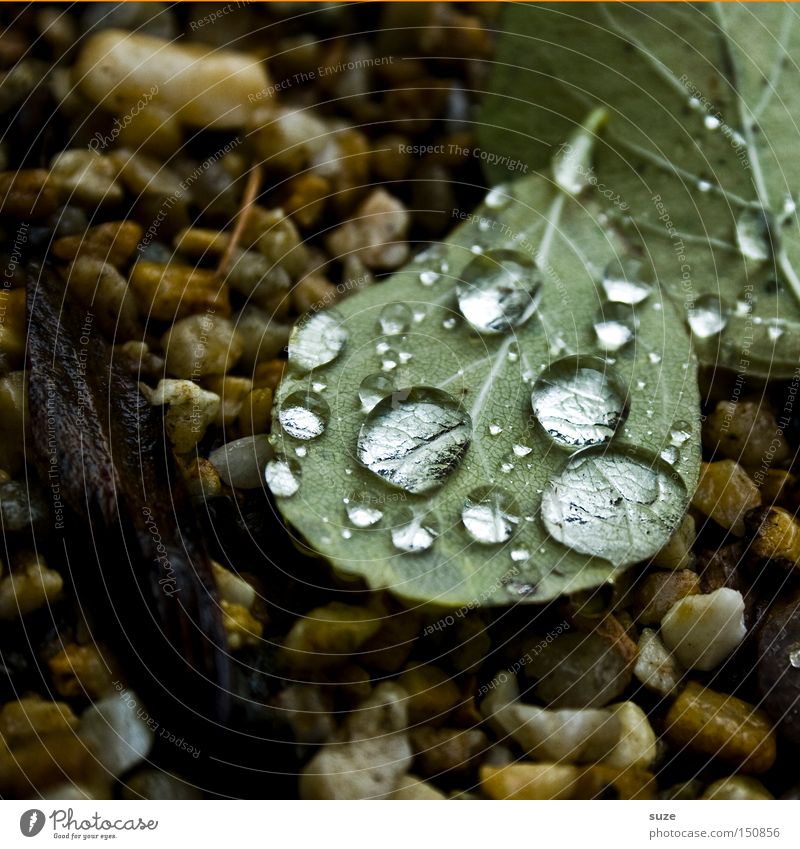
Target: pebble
{"x": 256, "y": 413}
{"x": 540, "y": 781}
{"x": 241, "y": 627}
{"x": 656, "y": 668}
{"x": 241, "y": 462}
{"x": 262, "y": 337}
{"x": 202, "y": 86}
{"x": 432, "y": 694}
{"x": 745, "y": 431}
{"x": 28, "y": 193}
{"x": 703, "y": 630}
{"x": 725, "y": 493}
{"x": 369, "y": 756}
{"x": 779, "y": 667}
{"x": 447, "y": 750}
{"x": 29, "y": 586}
{"x": 113, "y": 242}
{"x": 201, "y": 345}
{"x": 14, "y": 419}
{"x": 309, "y": 710}
{"x": 659, "y": 591}
{"x": 80, "y": 671}
{"x": 328, "y": 636}
{"x": 171, "y": 291}
{"x": 376, "y": 233}
{"x": 413, "y": 789}
{"x": 33, "y": 716}
{"x": 775, "y": 535}
{"x": 737, "y": 788}
{"x": 723, "y": 727}
{"x": 100, "y": 287}
{"x": 117, "y": 737}
{"x": 191, "y": 410}
{"x": 677, "y": 553}
{"x": 22, "y": 508}
{"x": 84, "y": 177}
{"x": 158, "y": 785}
{"x": 232, "y": 392}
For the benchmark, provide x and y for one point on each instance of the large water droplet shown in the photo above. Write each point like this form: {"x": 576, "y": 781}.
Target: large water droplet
{"x": 579, "y": 401}
{"x": 282, "y": 475}
{"x": 490, "y": 515}
{"x": 626, "y": 282}
{"x": 362, "y": 509}
{"x": 755, "y": 234}
{"x": 304, "y": 415}
{"x": 395, "y": 319}
{"x": 680, "y": 433}
{"x": 415, "y": 439}
{"x": 416, "y": 532}
{"x": 612, "y": 503}
{"x": 374, "y": 388}
{"x": 615, "y": 326}
{"x": 316, "y": 340}
{"x": 708, "y": 316}
{"x": 499, "y": 290}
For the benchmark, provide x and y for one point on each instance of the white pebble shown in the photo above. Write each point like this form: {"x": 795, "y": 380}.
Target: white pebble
{"x": 114, "y": 731}
{"x": 703, "y": 630}
{"x": 655, "y": 667}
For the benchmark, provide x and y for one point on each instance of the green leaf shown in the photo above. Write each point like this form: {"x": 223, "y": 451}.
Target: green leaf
{"x": 701, "y": 142}
{"x": 453, "y": 441}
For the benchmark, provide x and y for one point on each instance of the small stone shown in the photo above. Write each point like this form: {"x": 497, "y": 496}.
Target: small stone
{"x": 101, "y": 288}
{"x": 725, "y": 493}
{"x": 22, "y": 507}
{"x": 14, "y": 420}
{"x": 116, "y": 735}
{"x": 256, "y": 413}
{"x": 776, "y": 535}
{"x": 80, "y": 671}
{"x": 653, "y": 598}
{"x": 737, "y": 788}
{"x": 191, "y": 410}
{"x": 113, "y": 242}
{"x": 29, "y": 586}
{"x": 745, "y": 431}
{"x": 28, "y": 193}
{"x": 703, "y": 630}
{"x": 241, "y": 462}
{"x": 779, "y": 667}
{"x": 172, "y": 291}
{"x": 309, "y": 710}
{"x": 201, "y": 345}
{"x": 368, "y": 757}
{"x": 655, "y": 667}
{"x": 388, "y": 650}
{"x": 327, "y": 636}
{"x": 447, "y": 750}
{"x": 33, "y": 716}
{"x": 157, "y": 785}
{"x": 723, "y": 727}
{"x": 84, "y": 177}
{"x": 232, "y": 391}
{"x": 241, "y": 627}
{"x": 677, "y": 553}
{"x": 262, "y": 337}
{"x": 376, "y": 233}
{"x": 413, "y": 789}
{"x": 432, "y": 694}
{"x": 232, "y": 588}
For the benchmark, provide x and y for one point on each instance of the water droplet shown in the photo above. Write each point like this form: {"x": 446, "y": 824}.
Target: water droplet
{"x": 513, "y": 354}
{"x": 506, "y": 468}
{"x": 572, "y": 164}
{"x": 794, "y": 658}
{"x": 495, "y": 429}
{"x": 670, "y": 455}
{"x": 419, "y": 315}
{"x": 382, "y": 346}
{"x": 680, "y": 434}
{"x": 519, "y": 589}
{"x": 415, "y": 439}
{"x": 319, "y": 386}
{"x": 518, "y": 555}
{"x": 704, "y": 186}
{"x": 282, "y": 475}
{"x": 476, "y": 249}
{"x": 579, "y": 401}
{"x": 346, "y": 533}
{"x": 304, "y": 415}
{"x": 499, "y": 291}
{"x": 389, "y": 359}
{"x": 625, "y": 282}
{"x": 490, "y": 515}
{"x": 361, "y": 509}
{"x": 618, "y": 504}
{"x": 775, "y": 329}
{"x": 711, "y": 122}
{"x": 395, "y": 319}
{"x": 497, "y": 197}
{"x": 316, "y": 340}
{"x": 428, "y": 277}
{"x": 755, "y": 232}
{"x": 374, "y": 388}
{"x": 655, "y": 358}
{"x": 301, "y": 451}
{"x": 416, "y": 532}
{"x": 615, "y": 326}
{"x": 708, "y": 316}
{"x": 449, "y": 323}
{"x": 522, "y": 450}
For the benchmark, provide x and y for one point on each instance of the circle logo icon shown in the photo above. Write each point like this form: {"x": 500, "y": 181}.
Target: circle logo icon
{"x": 31, "y": 822}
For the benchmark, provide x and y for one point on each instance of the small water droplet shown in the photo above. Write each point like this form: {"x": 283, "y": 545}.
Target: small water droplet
{"x": 518, "y": 555}
{"x": 301, "y": 451}
{"x": 304, "y": 415}
{"x": 316, "y": 340}
{"x": 711, "y": 122}
{"x": 680, "y": 434}
{"x": 572, "y": 164}
{"x": 362, "y": 510}
{"x": 708, "y": 316}
{"x": 319, "y": 386}
{"x": 395, "y": 319}
{"x": 390, "y": 359}
{"x": 519, "y": 589}
{"x": 490, "y": 515}
{"x": 497, "y": 197}
{"x": 428, "y": 277}
{"x": 419, "y": 315}
{"x": 499, "y": 291}
{"x": 513, "y": 354}
{"x": 618, "y": 504}
{"x": 625, "y": 281}
{"x": 794, "y": 657}
{"x": 654, "y": 357}
{"x": 495, "y": 429}
{"x": 755, "y": 234}
{"x": 615, "y": 326}
{"x": 579, "y": 401}
{"x": 476, "y": 249}
{"x": 522, "y": 450}
{"x": 346, "y": 533}
{"x": 775, "y": 329}
{"x": 415, "y": 439}
{"x": 282, "y": 475}
{"x": 416, "y": 532}
{"x": 670, "y": 454}
{"x": 506, "y": 468}
{"x": 374, "y": 388}
{"x": 449, "y": 323}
